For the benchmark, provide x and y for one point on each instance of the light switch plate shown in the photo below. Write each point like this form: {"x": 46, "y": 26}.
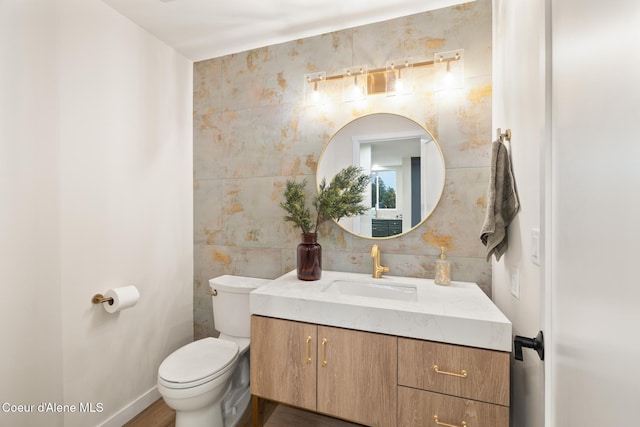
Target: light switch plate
{"x": 535, "y": 246}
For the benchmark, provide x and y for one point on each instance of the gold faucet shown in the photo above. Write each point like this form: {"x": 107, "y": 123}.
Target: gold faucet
{"x": 377, "y": 268}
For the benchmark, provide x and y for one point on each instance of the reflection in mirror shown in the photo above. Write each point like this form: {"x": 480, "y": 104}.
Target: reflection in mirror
{"x": 406, "y": 167}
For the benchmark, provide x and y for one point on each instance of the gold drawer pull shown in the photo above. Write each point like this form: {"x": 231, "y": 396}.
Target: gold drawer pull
{"x": 462, "y": 374}
{"x": 324, "y": 352}
{"x": 308, "y": 360}
{"x": 438, "y": 422}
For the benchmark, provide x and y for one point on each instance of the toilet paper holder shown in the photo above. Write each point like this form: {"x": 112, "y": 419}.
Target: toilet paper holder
{"x": 117, "y": 299}
{"x": 99, "y": 299}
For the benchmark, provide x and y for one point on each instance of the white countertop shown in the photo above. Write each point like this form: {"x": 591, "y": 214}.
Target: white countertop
{"x": 457, "y": 314}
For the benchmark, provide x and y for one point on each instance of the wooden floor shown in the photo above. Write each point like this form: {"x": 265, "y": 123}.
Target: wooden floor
{"x": 160, "y": 415}
{"x": 285, "y": 416}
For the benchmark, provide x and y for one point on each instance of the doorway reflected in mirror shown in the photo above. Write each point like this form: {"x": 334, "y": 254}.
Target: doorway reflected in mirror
{"x": 406, "y": 166}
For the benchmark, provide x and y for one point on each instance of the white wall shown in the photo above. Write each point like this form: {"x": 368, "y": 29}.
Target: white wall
{"x": 98, "y": 141}
{"x": 519, "y": 103}
{"x": 30, "y": 315}
{"x": 596, "y": 212}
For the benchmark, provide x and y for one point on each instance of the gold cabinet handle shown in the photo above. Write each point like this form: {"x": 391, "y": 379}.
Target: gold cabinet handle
{"x": 440, "y": 423}
{"x": 462, "y": 374}
{"x": 308, "y": 360}
{"x": 324, "y": 352}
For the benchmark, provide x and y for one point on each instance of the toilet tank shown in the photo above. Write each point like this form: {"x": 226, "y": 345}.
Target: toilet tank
{"x": 231, "y": 314}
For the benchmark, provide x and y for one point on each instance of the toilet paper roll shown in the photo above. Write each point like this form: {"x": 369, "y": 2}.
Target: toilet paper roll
{"x": 124, "y": 297}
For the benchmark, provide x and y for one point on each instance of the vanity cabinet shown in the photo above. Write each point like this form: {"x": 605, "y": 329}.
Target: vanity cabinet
{"x": 376, "y": 379}
{"x": 385, "y": 227}
{"x": 451, "y": 385}
{"x": 339, "y": 372}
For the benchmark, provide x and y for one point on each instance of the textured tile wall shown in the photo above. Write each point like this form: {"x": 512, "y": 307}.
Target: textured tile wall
{"x": 252, "y": 132}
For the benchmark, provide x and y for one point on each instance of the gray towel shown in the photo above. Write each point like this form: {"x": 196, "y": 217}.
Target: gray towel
{"x": 502, "y": 202}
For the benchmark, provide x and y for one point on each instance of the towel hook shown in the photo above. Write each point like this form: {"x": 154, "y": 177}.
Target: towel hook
{"x": 504, "y": 136}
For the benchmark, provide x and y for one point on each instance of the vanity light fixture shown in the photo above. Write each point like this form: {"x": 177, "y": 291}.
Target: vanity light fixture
{"x": 314, "y": 88}
{"x": 354, "y": 83}
{"x": 398, "y": 77}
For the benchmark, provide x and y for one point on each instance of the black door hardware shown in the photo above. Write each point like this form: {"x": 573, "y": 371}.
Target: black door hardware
{"x": 536, "y": 343}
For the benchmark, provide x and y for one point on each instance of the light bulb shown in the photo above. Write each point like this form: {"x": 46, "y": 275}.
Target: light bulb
{"x": 447, "y": 80}
{"x": 357, "y": 92}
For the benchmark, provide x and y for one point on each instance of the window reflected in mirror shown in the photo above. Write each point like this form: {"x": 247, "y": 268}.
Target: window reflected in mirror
{"x": 383, "y": 189}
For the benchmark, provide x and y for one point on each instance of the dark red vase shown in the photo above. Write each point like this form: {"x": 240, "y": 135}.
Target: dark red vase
{"x": 309, "y": 257}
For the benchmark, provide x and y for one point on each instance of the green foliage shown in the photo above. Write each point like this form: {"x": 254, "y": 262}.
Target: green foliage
{"x": 387, "y": 195}
{"x": 388, "y": 198}
{"x": 341, "y": 198}
{"x": 295, "y": 205}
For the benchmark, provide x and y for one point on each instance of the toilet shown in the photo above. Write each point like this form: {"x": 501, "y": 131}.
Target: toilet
{"x": 207, "y": 381}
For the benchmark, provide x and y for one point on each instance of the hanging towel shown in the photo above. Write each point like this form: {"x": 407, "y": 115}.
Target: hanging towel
{"x": 502, "y": 202}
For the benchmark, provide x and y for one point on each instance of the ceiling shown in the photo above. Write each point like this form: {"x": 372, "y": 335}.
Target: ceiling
{"x": 204, "y": 29}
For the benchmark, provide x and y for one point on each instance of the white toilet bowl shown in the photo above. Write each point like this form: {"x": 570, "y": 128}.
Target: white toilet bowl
{"x": 194, "y": 379}
{"x": 207, "y": 381}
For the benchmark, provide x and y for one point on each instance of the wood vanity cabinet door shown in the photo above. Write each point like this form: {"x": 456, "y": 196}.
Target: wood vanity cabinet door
{"x": 486, "y": 372}
{"x": 357, "y": 376}
{"x": 280, "y": 365}
{"x": 418, "y": 408}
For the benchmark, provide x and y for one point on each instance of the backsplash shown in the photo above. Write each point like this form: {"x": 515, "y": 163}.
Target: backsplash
{"x": 252, "y": 132}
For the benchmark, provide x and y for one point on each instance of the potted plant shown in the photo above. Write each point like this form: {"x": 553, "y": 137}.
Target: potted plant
{"x": 342, "y": 197}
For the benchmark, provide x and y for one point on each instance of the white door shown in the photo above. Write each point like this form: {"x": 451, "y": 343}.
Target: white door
{"x": 596, "y": 213}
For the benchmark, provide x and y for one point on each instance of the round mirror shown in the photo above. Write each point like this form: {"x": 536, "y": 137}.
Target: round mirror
{"x": 406, "y": 167}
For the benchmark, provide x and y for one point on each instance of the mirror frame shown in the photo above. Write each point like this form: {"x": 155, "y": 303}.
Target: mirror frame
{"x": 440, "y": 191}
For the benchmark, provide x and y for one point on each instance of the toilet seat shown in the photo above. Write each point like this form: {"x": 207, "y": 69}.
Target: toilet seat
{"x": 243, "y": 343}
{"x": 198, "y": 363}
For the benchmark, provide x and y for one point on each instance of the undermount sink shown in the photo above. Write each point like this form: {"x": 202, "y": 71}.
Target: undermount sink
{"x": 374, "y": 289}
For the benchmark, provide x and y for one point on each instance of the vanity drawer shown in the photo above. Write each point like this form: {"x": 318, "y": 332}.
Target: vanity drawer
{"x": 455, "y": 370}
{"x": 395, "y": 227}
{"x": 419, "y": 408}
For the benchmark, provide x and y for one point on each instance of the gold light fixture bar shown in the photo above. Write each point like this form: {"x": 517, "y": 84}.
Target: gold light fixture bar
{"x": 376, "y": 78}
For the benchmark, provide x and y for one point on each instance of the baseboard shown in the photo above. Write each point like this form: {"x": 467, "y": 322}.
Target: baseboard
{"x": 132, "y": 409}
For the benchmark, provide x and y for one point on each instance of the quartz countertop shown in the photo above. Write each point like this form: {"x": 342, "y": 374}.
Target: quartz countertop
{"x": 460, "y": 313}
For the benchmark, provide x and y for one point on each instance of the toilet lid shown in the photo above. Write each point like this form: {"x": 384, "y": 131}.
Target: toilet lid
{"x": 197, "y": 361}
